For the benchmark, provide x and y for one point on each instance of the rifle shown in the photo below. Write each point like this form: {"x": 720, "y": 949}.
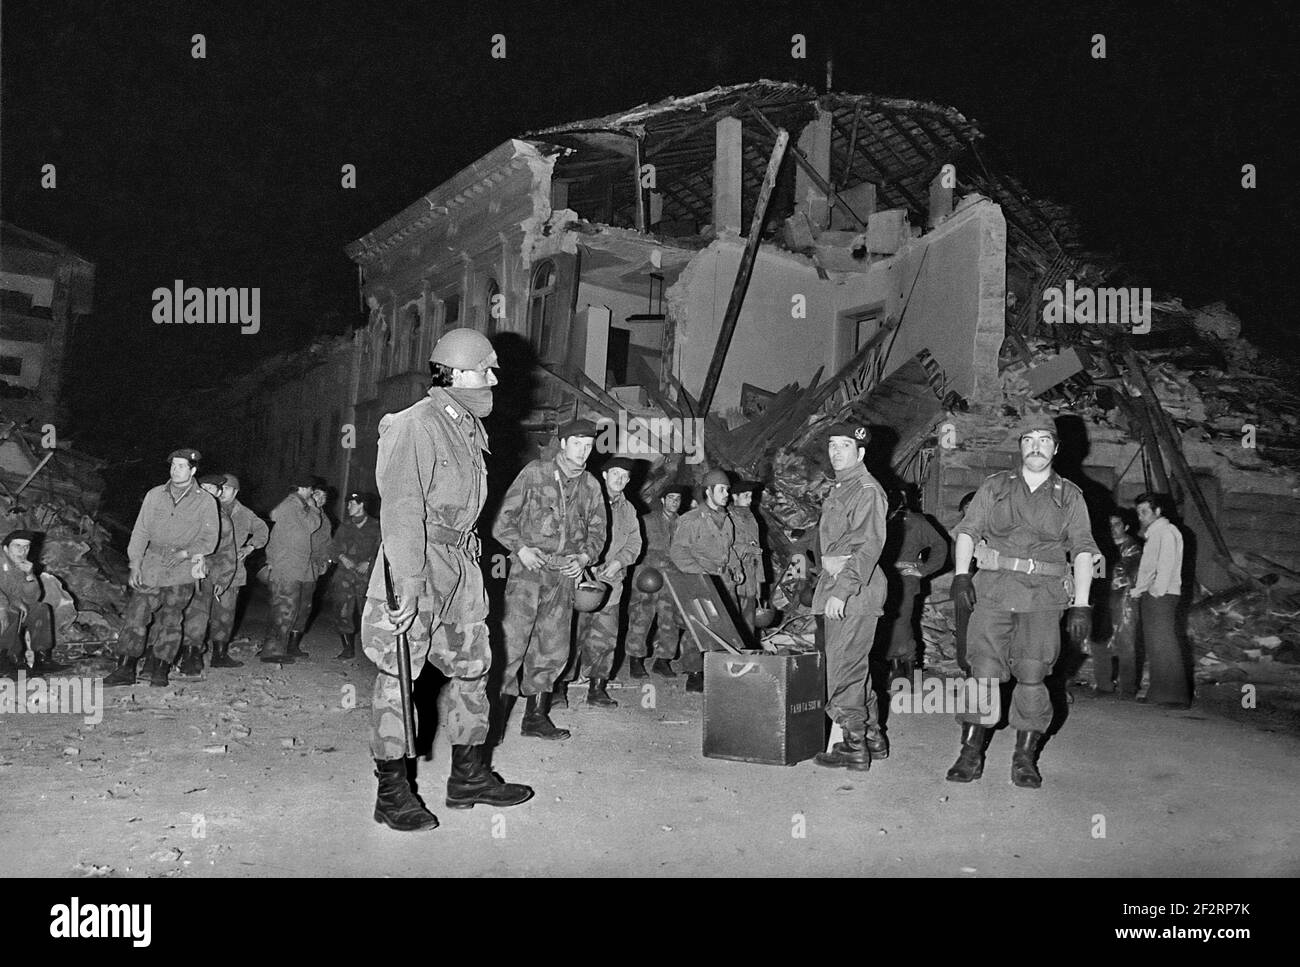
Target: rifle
{"x": 403, "y": 666}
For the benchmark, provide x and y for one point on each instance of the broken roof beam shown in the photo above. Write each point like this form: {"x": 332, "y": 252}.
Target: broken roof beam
{"x": 743, "y": 272}
{"x": 813, "y": 173}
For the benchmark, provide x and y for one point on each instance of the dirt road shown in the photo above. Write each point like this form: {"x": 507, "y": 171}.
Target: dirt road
{"x": 264, "y": 771}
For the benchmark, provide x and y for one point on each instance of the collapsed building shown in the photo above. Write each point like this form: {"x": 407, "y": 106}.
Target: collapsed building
{"x": 760, "y": 259}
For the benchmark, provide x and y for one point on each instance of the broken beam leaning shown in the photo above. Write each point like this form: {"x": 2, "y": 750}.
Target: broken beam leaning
{"x": 822, "y": 184}
{"x": 1175, "y": 453}
{"x": 743, "y": 272}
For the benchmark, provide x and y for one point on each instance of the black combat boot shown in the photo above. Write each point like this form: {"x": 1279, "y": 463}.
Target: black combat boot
{"x": 221, "y": 657}
{"x": 560, "y": 695}
{"x": 295, "y": 647}
{"x": 349, "y": 647}
{"x": 124, "y": 674}
{"x": 695, "y": 681}
{"x": 191, "y": 662}
{"x": 1024, "y": 761}
{"x": 472, "y": 783}
{"x": 636, "y": 668}
{"x": 877, "y": 743}
{"x": 537, "y": 719}
{"x": 44, "y": 664}
{"x": 663, "y": 667}
{"x": 970, "y": 763}
{"x": 158, "y": 674}
{"x": 852, "y": 753}
{"x": 596, "y": 694}
{"x": 397, "y": 806}
{"x": 274, "y": 650}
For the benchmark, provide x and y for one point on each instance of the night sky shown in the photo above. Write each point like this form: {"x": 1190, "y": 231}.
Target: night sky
{"x": 226, "y": 171}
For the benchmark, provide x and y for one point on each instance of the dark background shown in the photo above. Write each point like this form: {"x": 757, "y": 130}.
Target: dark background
{"x": 226, "y": 171}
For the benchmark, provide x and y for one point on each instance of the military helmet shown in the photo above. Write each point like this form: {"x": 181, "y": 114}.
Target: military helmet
{"x": 715, "y": 477}
{"x": 462, "y": 349}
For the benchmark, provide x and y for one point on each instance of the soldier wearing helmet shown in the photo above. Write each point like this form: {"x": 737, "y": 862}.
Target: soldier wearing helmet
{"x": 432, "y": 479}
{"x": 1018, "y": 529}
{"x": 705, "y": 543}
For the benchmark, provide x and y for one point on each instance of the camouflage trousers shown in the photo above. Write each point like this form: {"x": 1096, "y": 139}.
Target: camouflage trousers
{"x": 460, "y": 651}
{"x": 652, "y": 608}
{"x": 538, "y": 630}
{"x": 39, "y": 624}
{"x": 160, "y": 615}
{"x": 221, "y": 617}
{"x": 290, "y": 607}
{"x": 349, "y": 598}
{"x": 598, "y": 637}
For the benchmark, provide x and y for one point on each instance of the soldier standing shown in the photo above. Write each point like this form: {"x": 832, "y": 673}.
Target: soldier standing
{"x": 598, "y": 630}
{"x": 294, "y": 568}
{"x": 655, "y": 607}
{"x": 552, "y": 521}
{"x": 705, "y": 543}
{"x": 850, "y": 595}
{"x": 748, "y": 547}
{"x": 218, "y": 575}
{"x": 250, "y": 533}
{"x": 356, "y": 543}
{"x": 432, "y": 478}
{"x": 1025, "y": 521}
{"x": 177, "y": 525}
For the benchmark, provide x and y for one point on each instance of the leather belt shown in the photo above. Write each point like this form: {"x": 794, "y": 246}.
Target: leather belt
{"x": 438, "y": 534}
{"x": 993, "y": 560}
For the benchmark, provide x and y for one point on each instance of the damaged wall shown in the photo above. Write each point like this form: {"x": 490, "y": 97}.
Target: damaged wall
{"x": 956, "y": 310}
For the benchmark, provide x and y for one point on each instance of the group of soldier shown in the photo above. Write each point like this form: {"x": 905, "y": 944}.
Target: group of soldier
{"x": 417, "y": 577}
{"x": 187, "y": 554}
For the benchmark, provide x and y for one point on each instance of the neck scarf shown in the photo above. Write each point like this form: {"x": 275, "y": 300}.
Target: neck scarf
{"x": 477, "y": 401}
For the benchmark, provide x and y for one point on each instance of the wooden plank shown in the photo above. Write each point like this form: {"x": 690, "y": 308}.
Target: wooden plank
{"x": 1174, "y": 451}
{"x": 743, "y": 272}
{"x": 822, "y": 184}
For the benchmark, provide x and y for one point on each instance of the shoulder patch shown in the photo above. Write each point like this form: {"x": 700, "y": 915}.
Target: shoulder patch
{"x": 451, "y": 411}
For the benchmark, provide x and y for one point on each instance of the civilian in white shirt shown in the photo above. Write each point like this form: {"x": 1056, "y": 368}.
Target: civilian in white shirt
{"x": 1159, "y": 581}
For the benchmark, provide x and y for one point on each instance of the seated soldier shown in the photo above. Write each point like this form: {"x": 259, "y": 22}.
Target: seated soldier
{"x": 22, "y": 608}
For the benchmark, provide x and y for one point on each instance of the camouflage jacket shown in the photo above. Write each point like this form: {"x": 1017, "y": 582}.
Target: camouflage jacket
{"x": 659, "y": 531}
{"x": 705, "y": 543}
{"x": 222, "y": 563}
{"x": 432, "y": 478}
{"x": 251, "y": 533}
{"x": 624, "y": 533}
{"x": 290, "y": 551}
{"x": 748, "y": 547}
{"x": 165, "y": 527}
{"x": 18, "y": 588}
{"x": 359, "y": 543}
{"x": 555, "y": 513}
{"x": 852, "y": 528}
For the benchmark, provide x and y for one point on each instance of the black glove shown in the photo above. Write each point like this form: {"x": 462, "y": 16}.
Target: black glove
{"x": 1078, "y": 622}
{"x": 963, "y": 590}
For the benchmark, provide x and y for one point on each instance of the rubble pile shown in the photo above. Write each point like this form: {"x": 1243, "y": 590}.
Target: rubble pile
{"x": 83, "y": 574}
{"x": 1245, "y": 625}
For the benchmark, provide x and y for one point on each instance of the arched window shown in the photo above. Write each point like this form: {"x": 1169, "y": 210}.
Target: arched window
{"x": 541, "y": 308}
{"x": 492, "y": 315}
